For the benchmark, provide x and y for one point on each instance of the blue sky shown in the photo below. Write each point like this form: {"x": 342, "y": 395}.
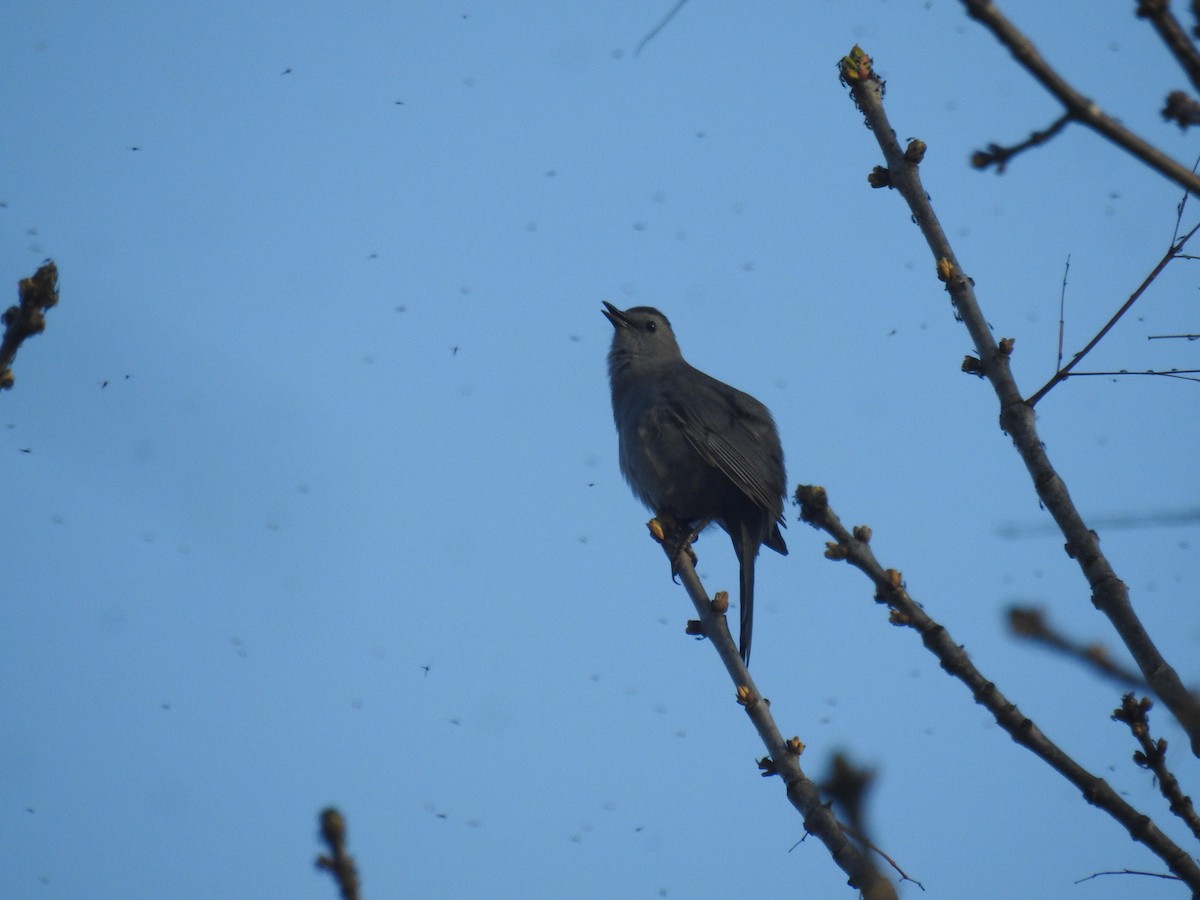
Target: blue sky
{"x": 345, "y": 294}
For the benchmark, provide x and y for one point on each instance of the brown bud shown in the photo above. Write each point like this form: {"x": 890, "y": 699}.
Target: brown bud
{"x": 915, "y": 152}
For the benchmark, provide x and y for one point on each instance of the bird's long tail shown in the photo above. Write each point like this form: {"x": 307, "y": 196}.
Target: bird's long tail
{"x": 747, "y": 550}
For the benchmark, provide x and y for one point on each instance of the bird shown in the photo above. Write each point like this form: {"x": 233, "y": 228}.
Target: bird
{"x": 693, "y": 448}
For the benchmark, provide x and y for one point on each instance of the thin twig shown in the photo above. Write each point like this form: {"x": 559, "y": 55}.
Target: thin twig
{"x": 1181, "y": 374}
{"x": 1130, "y": 872}
{"x": 1064, "y": 371}
{"x": 1062, "y": 307}
{"x": 1077, "y": 106}
{"x": 1109, "y": 593}
{"x": 1181, "y": 206}
{"x": 1153, "y": 756}
{"x": 866, "y": 842}
{"x": 890, "y": 589}
{"x": 659, "y": 27}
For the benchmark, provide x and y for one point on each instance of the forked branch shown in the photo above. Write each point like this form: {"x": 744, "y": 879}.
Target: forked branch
{"x": 891, "y": 590}
{"x": 1076, "y": 106}
{"x": 1109, "y": 593}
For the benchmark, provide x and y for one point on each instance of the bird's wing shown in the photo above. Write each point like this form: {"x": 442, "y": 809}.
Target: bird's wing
{"x": 733, "y": 432}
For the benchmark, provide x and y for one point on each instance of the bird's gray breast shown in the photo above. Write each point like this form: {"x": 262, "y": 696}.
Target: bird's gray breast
{"x": 657, "y": 458}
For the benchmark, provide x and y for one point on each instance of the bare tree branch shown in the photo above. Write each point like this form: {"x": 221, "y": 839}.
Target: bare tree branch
{"x": 1153, "y": 756}
{"x": 1109, "y": 594}
{"x": 1078, "y": 107}
{"x": 891, "y": 590}
{"x": 1062, "y": 310}
{"x": 784, "y": 758}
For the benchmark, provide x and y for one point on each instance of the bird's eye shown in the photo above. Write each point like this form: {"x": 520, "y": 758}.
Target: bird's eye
{"x": 652, "y": 326}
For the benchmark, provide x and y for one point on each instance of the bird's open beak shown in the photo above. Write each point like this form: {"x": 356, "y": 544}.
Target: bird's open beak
{"x": 614, "y": 315}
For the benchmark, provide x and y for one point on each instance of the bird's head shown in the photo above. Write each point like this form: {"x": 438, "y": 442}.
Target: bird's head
{"x": 642, "y": 339}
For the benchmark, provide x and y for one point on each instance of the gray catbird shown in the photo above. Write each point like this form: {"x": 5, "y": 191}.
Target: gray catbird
{"x": 694, "y": 448}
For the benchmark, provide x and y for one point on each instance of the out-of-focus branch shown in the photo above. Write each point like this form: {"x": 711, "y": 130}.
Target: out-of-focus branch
{"x": 659, "y": 27}
{"x": 37, "y": 294}
{"x": 784, "y": 758}
{"x": 1078, "y": 107}
{"x": 1158, "y": 13}
{"x": 1030, "y": 623}
{"x": 847, "y": 786}
{"x": 1109, "y": 594}
{"x": 338, "y": 862}
{"x": 1153, "y": 756}
{"x": 1181, "y": 109}
{"x": 998, "y": 156}
{"x": 1115, "y": 521}
{"x": 891, "y": 590}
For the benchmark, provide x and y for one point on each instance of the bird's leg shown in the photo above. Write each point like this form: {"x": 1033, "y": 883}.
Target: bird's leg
{"x": 694, "y": 534}
{"x": 676, "y": 537}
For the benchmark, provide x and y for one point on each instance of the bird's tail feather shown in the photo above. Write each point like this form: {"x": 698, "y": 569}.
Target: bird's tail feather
{"x": 747, "y": 550}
